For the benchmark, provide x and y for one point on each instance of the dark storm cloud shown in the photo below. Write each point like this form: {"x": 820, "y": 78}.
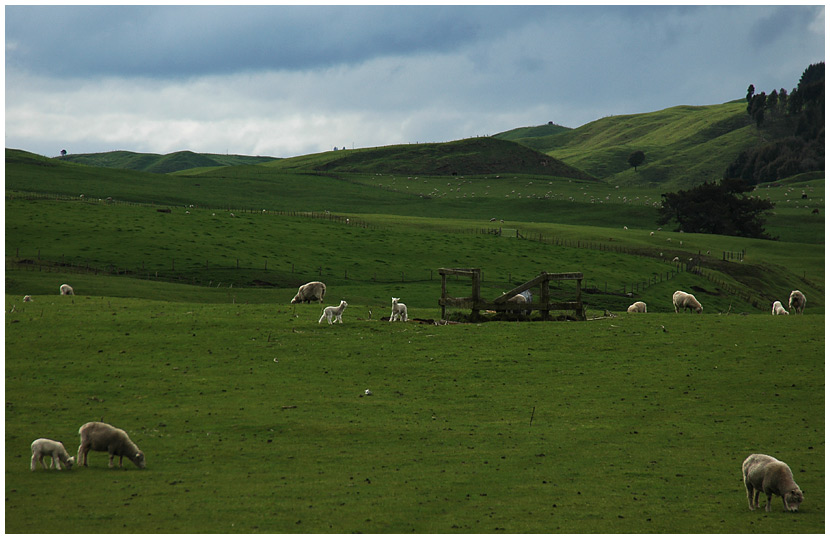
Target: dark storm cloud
{"x": 166, "y": 41}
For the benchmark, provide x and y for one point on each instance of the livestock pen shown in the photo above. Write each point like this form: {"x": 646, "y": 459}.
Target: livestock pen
{"x": 476, "y": 303}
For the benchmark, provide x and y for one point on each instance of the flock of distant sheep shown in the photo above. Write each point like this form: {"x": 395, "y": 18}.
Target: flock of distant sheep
{"x": 683, "y": 300}
{"x": 761, "y": 473}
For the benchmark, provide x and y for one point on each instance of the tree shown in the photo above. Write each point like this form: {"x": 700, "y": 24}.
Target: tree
{"x": 636, "y": 159}
{"x": 717, "y": 208}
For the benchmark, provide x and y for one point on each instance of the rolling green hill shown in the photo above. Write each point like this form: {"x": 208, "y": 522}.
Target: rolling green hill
{"x": 475, "y": 156}
{"x": 684, "y": 145}
{"x": 161, "y": 164}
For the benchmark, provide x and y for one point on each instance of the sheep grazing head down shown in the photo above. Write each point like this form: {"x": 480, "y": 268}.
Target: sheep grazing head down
{"x": 793, "y": 499}
{"x": 138, "y": 460}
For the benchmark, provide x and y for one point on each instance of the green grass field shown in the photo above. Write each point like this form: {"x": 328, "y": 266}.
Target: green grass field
{"x": 253, "y": 416}
{"x": 253, "y": 419}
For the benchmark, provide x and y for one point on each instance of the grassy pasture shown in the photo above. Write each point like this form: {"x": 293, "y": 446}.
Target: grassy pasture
{"x": 252, "y": 420}
{"x": 203, "y": 247}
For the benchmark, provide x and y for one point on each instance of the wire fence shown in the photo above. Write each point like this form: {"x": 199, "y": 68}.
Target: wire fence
{"x": 256, "y": 275}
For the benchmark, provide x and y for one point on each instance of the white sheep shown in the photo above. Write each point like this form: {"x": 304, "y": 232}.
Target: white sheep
{"x": 99, "y": 436}
{"x": 398, "y": 311}
{"x": 334, "y": 312}
{"x": 44, "y": 447}
{"x": 797, "y": 302}
{"x": 67, "y": 290}
{"x": 313, "y": 291}
{"x": 675, "y": 260}
{"x": 27, "y": 298}
{"x": 683, "y": 301}
{"x": 777, "y": 308}
{"x": 637, "y": 307}
{"x": 770, "y": 475}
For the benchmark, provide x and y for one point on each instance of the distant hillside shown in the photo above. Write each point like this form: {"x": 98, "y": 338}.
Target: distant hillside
{"x": 463, "y": 157}
{"x": 684, "y": 145}
{"x": 521, "y": 133}
{"x": 162, "y": 164}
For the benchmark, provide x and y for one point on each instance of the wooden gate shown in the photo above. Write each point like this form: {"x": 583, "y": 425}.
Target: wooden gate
{"x": 476, "y": 304}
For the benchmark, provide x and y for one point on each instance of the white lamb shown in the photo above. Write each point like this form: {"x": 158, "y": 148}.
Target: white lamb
{"x": 27, "y": 298}
{"x": 44, "y": 447}
{"x": 67, "y": 290}
{"x": 768, "y": 474}
{"x": 683, "y": 301}
{"x": 334, "y": 312}
{"x": 797, "y": 302}
{"x": 637, "y": 307}
{"x": 398, "y": 311}
{"x": 777, "y": 308}
{"x": 99, "y": 436}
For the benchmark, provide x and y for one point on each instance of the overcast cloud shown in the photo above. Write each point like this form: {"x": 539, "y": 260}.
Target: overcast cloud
{"x": 292, "y": 80}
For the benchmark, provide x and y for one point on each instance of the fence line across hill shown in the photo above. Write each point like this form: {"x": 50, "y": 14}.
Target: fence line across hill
{"x": 173, "y": 273}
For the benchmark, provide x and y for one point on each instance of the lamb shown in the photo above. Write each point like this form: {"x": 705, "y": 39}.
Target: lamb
{"x": 334, "y": 312}
{"x": 777, "y": 308}
{"x": 797, "y": 302}
{"x": 683, "y": 301}
{"x": 67, "y": 290}
{"x": 99, "y": 436}
{"x": 44, "y": 447}
{"x": 27, "y": 298}
{"x": 398, "y": 311}
{"x": 768, "y": 474}
{"x": 313, "y": 291}
{"x": 637, "y": 307}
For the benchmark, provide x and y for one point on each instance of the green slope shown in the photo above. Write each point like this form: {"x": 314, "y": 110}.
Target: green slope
{"x": 161, "y": 164}
{"x": 464, "y": 157}
{"x": 684, "y": 145}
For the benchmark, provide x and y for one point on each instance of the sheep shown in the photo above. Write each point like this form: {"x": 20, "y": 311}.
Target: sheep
{"x": 676, "y": 260}
{"x": 683, "y": 301}
{"x": 67, "y": 290}
{"x": 27, "y": 298}
{"x": 637, "y": 307}
{"x": 777, "y": 308}
{"x": 768, "y": 474}
{"x": 99, "y": 436}
{"x": 518, "y": 299}
{"x": 44, "y": 447}
{"x": 797, "y": 301}
{"x": 398, "y": 311}
{"x": 334, "y": 312}
{"x": 313, "y": 291}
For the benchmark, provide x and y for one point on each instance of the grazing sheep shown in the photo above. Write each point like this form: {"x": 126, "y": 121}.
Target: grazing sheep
{"x": 520, "y": 299}
{"x": 637, "y": 307}
{"x": 683, "y": 301}
{"x": 675, "y": 259}
{"x": 777, "y": 308}
{"x": 313, "y": 291}
{"x": 398, "y": 311}
{"x": 99, "y": 436}
{"x": 797, "y": 302}
{"x": 27, "y": 298}
{"x": 67, "y": 290}
{"x": 334, "y": 312}
{"x": 44, "y": 447}
{"x": 768, "y": 474}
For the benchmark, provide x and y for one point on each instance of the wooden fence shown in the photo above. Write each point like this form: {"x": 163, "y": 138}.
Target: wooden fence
{"x": 476, "y": 303}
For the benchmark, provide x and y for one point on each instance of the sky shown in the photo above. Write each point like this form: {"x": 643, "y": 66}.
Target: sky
{"x": 289, "y": 80}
